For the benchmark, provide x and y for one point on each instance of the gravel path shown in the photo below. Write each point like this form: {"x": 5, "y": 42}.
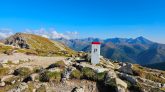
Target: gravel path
{"x": 35, "y": 60}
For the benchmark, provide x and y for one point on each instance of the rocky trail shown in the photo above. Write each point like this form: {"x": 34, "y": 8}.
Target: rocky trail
{"x": 35, "y": 60}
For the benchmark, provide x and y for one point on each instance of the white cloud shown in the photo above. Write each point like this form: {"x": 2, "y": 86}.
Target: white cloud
{"x": 4, "y": 33}
{"x": 47, "y": 33}
{"x": 50, "y": 33}
{"x": 73, "y": 34}
{"x": 55, "y": 35}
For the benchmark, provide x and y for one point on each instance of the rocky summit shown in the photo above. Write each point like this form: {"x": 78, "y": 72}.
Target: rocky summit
{"x": 28, "y": 65}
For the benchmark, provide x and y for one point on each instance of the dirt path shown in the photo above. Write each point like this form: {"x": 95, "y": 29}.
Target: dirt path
{"x": 35, "y": 60}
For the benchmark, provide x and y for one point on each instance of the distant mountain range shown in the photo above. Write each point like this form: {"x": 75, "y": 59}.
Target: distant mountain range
{"x": 139, "y": 50}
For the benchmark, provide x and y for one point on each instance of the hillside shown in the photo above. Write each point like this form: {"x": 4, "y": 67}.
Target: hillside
{"x": 139, "y": 50}
{"x": 21, "y": 72}
{"x": 28, "y": 73}
{"x": 34, "y": 44}
{"x": 160, "y": 66}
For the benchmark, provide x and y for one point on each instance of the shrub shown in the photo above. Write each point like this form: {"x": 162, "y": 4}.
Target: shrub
{"x": 89, "y": 73}
{"x": 38, "y": 69}
{"x": 43, "y": 77}
{"x": 60, "y": 64}
{"x": 50, "y": 76}
{"x": 8, "y": 52}
{"x": 23, "y": 71}
{"x": 54, "y": 76}
{"x": 4, "y": 71}
{"x": 100, "y": 76}
{"x": 76, "y": 74}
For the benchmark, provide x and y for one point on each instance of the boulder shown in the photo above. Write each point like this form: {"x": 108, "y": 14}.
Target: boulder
{"x": 78, "y": 89}
{"x": 120, "y": 89}
{"x": 2, "y": 84}
{"x": 4, "y": 78}
{"x": 126, "y": 68}
{"x": 99, "y": 69}
{"x": 129, "y": 78}
{"x": 121, "y": 83}
{"x": 110, "y": 78}
{"x": 111, "y": 74}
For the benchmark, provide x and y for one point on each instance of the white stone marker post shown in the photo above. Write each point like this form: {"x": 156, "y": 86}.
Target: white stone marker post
{"x": 95, "y": 53}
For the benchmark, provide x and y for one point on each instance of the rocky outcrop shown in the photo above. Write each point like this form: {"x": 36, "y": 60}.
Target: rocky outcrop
{"x": 97, "y": 69}
{"x": 111, "y": 74}
{"x": 129, "y": 78}
{"x": 126, "y": 68}
{"x": 17, "y": 40}
{"x": 66, "y": 73}
{"x": 121, "y": 85}
{"x": 111, "y": 79}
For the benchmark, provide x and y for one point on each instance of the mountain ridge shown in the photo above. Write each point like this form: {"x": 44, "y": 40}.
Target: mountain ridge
{"x": 122, "y": 49}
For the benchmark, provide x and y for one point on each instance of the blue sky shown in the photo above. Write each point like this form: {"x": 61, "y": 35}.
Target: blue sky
{"x": 86, "y": 18}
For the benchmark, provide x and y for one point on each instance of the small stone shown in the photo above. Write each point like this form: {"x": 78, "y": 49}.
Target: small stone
{"x": 78, "y": 89}
{"x": 4, "y": 61}
{"x": 15, "y": 62}
{"x": 13, "y": 82}
{"x": 56, "y": 69}
{"x": 4, "y": 78}
{"x": 34, "y": 77}
{"x": 2, "y": 84}
{"x": 100, "y": 70}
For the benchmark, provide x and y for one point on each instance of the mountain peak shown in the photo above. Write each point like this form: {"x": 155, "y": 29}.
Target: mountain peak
{"x": 141, "y": 38}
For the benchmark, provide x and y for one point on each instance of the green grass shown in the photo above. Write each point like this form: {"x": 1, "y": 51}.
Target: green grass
{"x": 23, "y": 71}
{"x": 76, "y": 74}
{"x": 4, "y": 71}
{"x": 144, "y": 73}
{"x": 50, "y": 76}
{"x": 101, "y": 76}
{"x": 4, "y": 48}
{"x": 89, "y": 73}
{"x": 59, "y": 64}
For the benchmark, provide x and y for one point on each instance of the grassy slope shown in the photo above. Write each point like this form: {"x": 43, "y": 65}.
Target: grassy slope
{"x": 42, "y": 46}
